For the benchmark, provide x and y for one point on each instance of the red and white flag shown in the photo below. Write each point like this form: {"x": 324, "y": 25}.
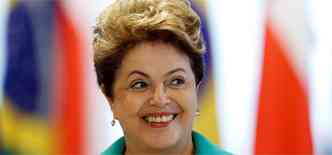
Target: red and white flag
{"x": 283, "y": 119}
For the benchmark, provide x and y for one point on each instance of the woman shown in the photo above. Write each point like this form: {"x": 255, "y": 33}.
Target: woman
{"x": 148, "y": 60}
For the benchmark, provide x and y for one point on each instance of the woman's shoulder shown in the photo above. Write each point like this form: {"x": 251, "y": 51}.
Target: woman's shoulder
{"x": 204, "y": 146}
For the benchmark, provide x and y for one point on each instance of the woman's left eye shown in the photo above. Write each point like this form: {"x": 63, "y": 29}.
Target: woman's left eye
{"x": 176, "y": 82}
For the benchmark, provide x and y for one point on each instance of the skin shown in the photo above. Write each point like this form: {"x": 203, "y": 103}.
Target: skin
{"x": 155, "y": 77}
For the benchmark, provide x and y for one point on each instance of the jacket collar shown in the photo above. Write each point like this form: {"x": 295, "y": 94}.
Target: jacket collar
{"x": 201, "y": 146}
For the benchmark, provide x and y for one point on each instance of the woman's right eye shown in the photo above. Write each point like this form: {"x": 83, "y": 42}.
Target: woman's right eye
{"x": 139, "y": 85}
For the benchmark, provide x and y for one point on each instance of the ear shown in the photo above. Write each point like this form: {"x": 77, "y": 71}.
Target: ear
{"x": 198, "y": 86}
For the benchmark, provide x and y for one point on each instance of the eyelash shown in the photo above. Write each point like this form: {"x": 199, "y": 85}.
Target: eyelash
{"x": 140, "y": 85}
{"x": 135, "y": 85}
{"x": 180, "y": 82}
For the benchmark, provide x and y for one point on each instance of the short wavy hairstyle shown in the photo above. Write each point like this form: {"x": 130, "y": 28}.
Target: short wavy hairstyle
{"x": 125, "y": 23}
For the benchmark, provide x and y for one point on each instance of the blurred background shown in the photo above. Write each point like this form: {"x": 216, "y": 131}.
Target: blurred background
{"x": 268, "y": 88}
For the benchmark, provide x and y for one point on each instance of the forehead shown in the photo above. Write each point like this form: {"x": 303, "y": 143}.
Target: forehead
{"x": 155, "y": 56}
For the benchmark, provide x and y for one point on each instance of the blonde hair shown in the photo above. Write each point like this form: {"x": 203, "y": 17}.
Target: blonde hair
{"x": 127, "y": 22}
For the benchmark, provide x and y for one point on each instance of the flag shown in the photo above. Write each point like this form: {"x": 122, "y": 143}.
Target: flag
{"x": 68, "y": 85}
{"x": 206, "y": 122}
{"x": 43, "y": 103}
{"x": 24, "y": 127}
{"x": 283, "y": 119}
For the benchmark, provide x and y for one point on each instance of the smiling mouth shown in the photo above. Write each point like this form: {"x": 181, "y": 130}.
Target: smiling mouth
{"x": 159, "y": 118}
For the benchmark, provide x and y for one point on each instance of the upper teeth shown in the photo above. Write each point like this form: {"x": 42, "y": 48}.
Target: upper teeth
{"x": 163, "y": 118}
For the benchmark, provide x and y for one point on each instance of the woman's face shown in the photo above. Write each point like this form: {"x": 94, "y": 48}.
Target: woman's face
{"x": 155, "y": 96}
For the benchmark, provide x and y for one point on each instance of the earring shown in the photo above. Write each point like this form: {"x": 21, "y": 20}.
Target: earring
{"x": 113, "y": 122}
{"x": 197, "y": 113}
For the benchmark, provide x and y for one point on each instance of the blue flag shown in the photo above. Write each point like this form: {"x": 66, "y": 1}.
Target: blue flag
{"x": 21, "y": 86}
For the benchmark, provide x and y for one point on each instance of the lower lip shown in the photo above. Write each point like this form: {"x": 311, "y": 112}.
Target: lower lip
{"x": 160, "y": 124}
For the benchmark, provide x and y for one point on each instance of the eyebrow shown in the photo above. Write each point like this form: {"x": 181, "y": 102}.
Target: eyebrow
{"x": 138, "y": 72}
{"x": 147, "y": 76}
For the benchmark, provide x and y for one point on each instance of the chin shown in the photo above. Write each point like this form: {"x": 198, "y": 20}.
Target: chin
{"x": 163, "y": 140}
{"x": 161, "y": 144}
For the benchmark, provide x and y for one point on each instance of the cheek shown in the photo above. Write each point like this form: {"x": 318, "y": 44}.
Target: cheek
{"x": 127, "y": 105}
{"x": 187, "y": 99}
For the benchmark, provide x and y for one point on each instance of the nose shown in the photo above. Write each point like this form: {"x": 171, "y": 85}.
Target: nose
{"x": 160, "y": 97}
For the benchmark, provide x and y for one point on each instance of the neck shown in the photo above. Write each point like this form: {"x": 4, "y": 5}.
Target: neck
{"x": 186, "y": 148}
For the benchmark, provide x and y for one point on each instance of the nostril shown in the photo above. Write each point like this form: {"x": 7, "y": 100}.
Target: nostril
{"x": 160, "y": 100}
